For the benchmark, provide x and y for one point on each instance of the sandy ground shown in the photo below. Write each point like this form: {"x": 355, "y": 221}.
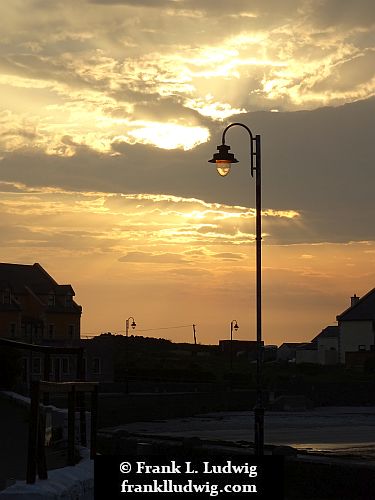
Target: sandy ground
{"x": 333, "y": 430}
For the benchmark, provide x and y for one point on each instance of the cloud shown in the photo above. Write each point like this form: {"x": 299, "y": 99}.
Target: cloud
{"x": 308, "y": 189}
{"x": 139, "y": 3}
{"x": 100, "y": 77}
{"x": 228, "y": 256}
{"x": 152, "y": 258}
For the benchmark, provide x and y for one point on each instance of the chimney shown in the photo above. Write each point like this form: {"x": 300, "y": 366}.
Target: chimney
{"x": 354, "y": 300}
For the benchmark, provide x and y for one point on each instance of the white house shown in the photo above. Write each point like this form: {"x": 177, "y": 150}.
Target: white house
{"x": 357, "y": 325}
{"x": 327, "y": 343}
{"x": 307, "y": 353}
{"x": 287, "y": 351}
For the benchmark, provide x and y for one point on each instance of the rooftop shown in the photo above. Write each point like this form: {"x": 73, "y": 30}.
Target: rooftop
{"x": 331, "y": 331}
{"x": 363, "y": 309}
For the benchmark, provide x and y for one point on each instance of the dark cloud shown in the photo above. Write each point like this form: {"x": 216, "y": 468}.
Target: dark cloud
{"x": 167, "y": 109}
{"x": 318, "y": 163}
{"x": 359, "y": 69}
{"x": 336, "y": 13}
{"x": 157, "y": 4}
{"x": 228, "y": 256}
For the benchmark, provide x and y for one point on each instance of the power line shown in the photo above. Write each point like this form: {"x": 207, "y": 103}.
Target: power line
{"x": 141, "y": 330}
{"x": 165, "y": 328}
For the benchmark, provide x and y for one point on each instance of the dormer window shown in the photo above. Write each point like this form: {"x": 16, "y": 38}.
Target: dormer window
{"x": 51, "y": 300}
{"x": 68, "y": 299}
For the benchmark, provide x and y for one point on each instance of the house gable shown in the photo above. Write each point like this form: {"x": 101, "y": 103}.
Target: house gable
{"x": 32, "y": 301}
{"x": 331, "y": 331}
{"x": 363, "y": 309}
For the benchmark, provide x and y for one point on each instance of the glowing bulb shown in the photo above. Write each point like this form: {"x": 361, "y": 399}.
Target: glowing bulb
{"x": 223, "y": 167}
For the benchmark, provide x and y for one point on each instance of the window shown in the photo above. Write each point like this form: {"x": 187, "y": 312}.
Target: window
{"x": 51, "y": 300}
{"x": 56, "y": 369}
{"x": 68, "y": 299}
{"x": 71, "y": 331}
{"x": 37, "y": 366}
{"x": 51, "y": 331}
{"x": 25, "y": 370}
{"x": 39, "y": 331}
{"x": 6, "y": 297}
{"x": 65, "y": 366}
{"x": 361, "y": 347}
{"x": 13, "y": 329}
{"x": 96, "y": 366}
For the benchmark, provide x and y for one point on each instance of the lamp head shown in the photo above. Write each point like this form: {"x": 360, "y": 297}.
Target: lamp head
{"x": 235, "y": 327}
{"x": 133, "y": 325}
{"x": 223, "y": 160}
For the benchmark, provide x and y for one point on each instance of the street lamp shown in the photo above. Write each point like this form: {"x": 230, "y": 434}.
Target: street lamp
{"x": 133, "y": 325}
{"x": 233, "y": 326}
{"x": 223, "y": 161}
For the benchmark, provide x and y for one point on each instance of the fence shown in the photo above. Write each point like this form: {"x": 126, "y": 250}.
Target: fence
{"x": 36, "y": 456}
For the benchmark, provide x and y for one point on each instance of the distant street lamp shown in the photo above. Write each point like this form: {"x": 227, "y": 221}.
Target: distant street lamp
{"x": 223, "y": 161}
{"x": 233, "y": 326}
{"x": 133, "y": 325}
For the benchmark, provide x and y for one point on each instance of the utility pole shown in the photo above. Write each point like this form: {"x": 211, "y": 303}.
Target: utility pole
{"x": 195, "y": 336}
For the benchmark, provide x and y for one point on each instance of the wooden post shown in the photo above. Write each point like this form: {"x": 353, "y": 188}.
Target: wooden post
{"x": 81, "y": 400}
{"x": 41, "y": 449}
{"x": 94, "y": 421}
{"x": 71, "y": 426}
{"x": 33, "y": 433}
{"x": 46, "y": 371}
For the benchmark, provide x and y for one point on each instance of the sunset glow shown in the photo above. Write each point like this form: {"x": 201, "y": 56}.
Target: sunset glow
{"x": 109, "y": 113}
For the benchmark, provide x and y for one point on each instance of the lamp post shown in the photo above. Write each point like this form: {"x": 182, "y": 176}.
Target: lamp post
{"x": 133, "y": 325}
{"x": 233, "y": 326}
{"x": 223, "y": 161}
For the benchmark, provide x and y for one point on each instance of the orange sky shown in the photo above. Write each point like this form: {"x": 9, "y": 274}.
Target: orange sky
{"x": 109, "y": 111}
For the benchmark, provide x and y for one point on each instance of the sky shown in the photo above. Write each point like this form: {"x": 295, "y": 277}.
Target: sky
{"x": 109, "y": 113}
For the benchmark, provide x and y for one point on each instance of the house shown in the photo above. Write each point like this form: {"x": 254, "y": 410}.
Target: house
{"x": 327, "y": 345}
{"x": 355, "y": 333}
{"x": 306, "y": 353}
{"x": 98, "y": 362}
{"x": 239, "y": 348}
{"x": 34, "y": 307}
{"x": 287, "y": 351}
{"x": 357, "y": 326}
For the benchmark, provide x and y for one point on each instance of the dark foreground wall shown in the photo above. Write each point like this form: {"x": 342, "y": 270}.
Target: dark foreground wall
{"x": 305, "y": 477}
{"x": 318, "y": 481}
{"x": 117, "y": 409}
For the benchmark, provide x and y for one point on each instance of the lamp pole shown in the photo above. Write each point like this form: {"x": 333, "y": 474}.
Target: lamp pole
{"x": 223, "y": 160}
{"x": 133, "y": 325}
{"x": 195, "y": 334}
{"x": 233, "y": 326}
